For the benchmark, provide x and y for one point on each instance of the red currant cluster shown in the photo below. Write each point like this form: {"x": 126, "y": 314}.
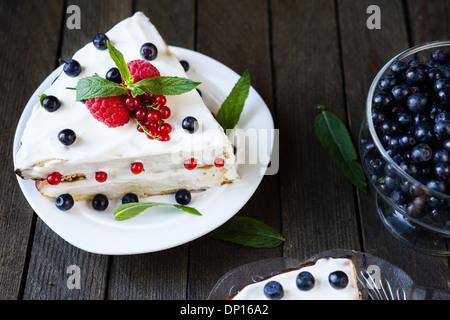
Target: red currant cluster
{"x": 150, "y": 112}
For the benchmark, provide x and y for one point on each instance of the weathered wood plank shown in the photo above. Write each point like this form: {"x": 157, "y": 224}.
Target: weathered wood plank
{"x": 159, "y": 275}
{"x": 50, "y": 254}
{"x": 364, "y": 52}
{"x": 236, "y": 33}
{"x": 27, "y": 55}
{"x": 318, "y": 211}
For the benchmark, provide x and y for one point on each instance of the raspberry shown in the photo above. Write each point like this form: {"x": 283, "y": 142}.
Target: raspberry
{"x": 141, "y": 69}
{"x": 110, "y": 111}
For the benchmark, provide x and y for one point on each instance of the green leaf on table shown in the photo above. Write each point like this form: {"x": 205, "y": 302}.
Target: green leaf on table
{"x": 248, "y": 232}
{"x": 231, "y": 109}
{"x": 98, "y": 87}
{"x": 130, "y": 210}
{"x": 335, "y": 138}
{"x": 167, "y": 86}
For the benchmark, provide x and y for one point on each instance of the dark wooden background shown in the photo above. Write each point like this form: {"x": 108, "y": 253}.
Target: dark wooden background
{"x": 300, "y": 53}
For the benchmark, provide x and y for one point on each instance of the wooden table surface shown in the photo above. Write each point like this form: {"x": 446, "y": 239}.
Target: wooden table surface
{"x": 300, "y": 53}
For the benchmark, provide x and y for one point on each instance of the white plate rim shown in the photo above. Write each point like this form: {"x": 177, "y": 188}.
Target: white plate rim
{"x": 122, "y": 238}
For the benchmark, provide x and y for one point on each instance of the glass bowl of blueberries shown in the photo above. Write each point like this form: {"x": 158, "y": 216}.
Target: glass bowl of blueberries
{"x": 405, "y": 146}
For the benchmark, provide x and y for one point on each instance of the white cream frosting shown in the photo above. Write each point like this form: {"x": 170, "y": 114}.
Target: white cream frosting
{"x": 322, "y": 289}
{"x": 100, "y": 148}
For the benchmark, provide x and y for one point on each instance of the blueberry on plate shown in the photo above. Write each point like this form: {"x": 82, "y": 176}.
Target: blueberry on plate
{"x": 183, "y": 197}
{"x": 305, "y": 281}
{"x": 100, "y": 41}
{"x": 273, "y": 290}
{"x": 72, "y": 68}
{"x": 185, "y": 65}
{"x": 51, "y": 103}
{"x": 338, "y": 279}
{"x": 64, "y": 202}
{"x": 100, "y": 202}
{"x": 130, "y": 197}
{"x": 67, "y": 137}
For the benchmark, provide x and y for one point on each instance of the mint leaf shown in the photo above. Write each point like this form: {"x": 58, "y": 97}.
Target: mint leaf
{"x": 98, "y": 87}
{"x": 120, "y": 63}
{"x": 163, "y": 86}
{"x": 249, "y": 232}
{"x": 335, "y": 138}
{"x": 231, "y": 109}
{"x": 130, "y": 210}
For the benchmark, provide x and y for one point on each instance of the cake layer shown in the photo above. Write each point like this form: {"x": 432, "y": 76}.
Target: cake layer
{"x": 321, "y": 290}
{"x": 100, "y": 148}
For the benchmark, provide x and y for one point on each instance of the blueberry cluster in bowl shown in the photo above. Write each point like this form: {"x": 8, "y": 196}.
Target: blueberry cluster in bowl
{"x": 411, "y": 115}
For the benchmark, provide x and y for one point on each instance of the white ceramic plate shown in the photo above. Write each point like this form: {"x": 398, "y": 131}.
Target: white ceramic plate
{"x": 159, "y": 228}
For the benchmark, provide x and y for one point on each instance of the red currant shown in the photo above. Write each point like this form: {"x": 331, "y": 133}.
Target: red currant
{"x": 164, "y": 137}
{"x": 152, "y": 125}
{"x": 148, "y": 98}
{"x": 161, "y": 100}
{"x": 54, "y": 178}
{"x": 132, "y": 103}
{"x": 190, "y": 163}
{"x": 101, "y": 176}
{"x": 139, "y": 128}
{"x": 141, "y": 114}
{"x": 153, "y": 116}
{"x": 153, "y": 133}
{"x": 165, "y": 128}
{"x": 137, "y": 167}
{"x": 164, "y": 112}
{"x": 219, "y": 162}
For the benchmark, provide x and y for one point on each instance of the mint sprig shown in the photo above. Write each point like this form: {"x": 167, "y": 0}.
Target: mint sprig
{"x": 131, "y": 210}
{"x": 98, "y": 87}
{"x": 231, "y": 109}
{"x": 335, "y": 138}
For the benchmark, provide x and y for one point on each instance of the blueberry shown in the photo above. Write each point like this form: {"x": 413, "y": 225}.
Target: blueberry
{"x": 445, "y": 71}
{"x": 72, "y": 68}
{"x": 51, "y": 103}
{"x": 401, "y": 92}
{"x": 130, "y": 197}
{"x": 443, "y": 96}
{"x": 100, "y": 202}
{"x": 183, "y": 197}
{"x": 64, "y": 202}
{"x": 398, "y": 68}
{"x": 338, "y": 279}
{"x": 442, "y": 170}
{"x": 149, "y": 51}
{"x": 442, "y": 129}
{"x": 440, "y": 84}
{"x": 185, "y": 65}
{"x": 424, "y": 132}
{"x": 415, "y": 76}
{"x": 378, "y": 117}
{"x": 190, "y": 124}
{"x": 387, "y": 82}
{"x": 399, "y": 197}
{"x": 305, "y": 281}
{"x": 407, "y": 141}
{"x": 440, "y": 215}
{"x": 273, "y": 290}
{"x": 417, "y": 102}
{"x": 410, "y": 168}
{"x": 437, "y": 185}
{"x": 438, "y": 55}
{"x": 100, "y": 41}
{"x": 405, "y": 119}
{"x": 390, "y": 127}
{"x": 422, "y": 153}
{"x": 382, "y": 100}
{"x": 433, "y": 74}
{"x": 67, "y": 137}
{"x": 418, "y": 207}
{"x": 113, "y": 75}
{"x": 441, "y": 155}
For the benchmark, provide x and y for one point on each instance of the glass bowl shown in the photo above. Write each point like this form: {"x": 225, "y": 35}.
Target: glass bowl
{"x": 377, "y": 278}
{"x": 403, "y": 149}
